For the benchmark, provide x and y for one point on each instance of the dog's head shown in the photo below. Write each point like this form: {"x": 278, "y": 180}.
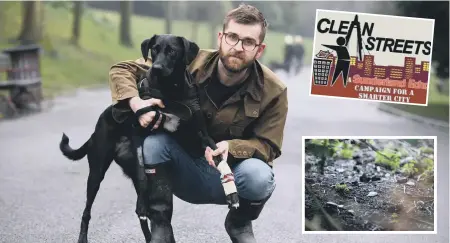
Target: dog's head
{"x": 168, "y": 53}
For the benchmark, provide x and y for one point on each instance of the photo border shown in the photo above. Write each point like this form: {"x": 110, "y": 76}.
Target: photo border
{"x": 434, "y": 232}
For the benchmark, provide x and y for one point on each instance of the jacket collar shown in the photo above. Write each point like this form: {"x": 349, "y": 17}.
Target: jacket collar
{"x": 255, "y": 79}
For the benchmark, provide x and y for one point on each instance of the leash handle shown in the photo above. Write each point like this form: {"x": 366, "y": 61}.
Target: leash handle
{"x": 217, "y": 159}
{"x": 144, "y": 110}
{"x": 138, "y": 128}
{"x": 227, "y": 179}
{"x": 228, "y": 183}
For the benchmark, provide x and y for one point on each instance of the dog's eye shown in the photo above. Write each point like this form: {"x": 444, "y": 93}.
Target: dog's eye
{"x": 171, "y": 52}
{"x": 156, "y": 49}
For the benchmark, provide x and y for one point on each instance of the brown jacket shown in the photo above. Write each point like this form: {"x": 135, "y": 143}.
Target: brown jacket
{"x": 252, "y": 120}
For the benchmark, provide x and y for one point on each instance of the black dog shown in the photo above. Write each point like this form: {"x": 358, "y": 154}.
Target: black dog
{"x": 117, "y": 129}
{"x": 112, "y": 138}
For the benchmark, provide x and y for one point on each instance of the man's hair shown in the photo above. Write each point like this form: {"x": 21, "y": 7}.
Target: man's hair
{"x": 248, "y": 15}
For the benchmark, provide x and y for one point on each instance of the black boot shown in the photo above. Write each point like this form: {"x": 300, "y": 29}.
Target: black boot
{"x": 238, "y": 222}
{"x": 160, "y": 203}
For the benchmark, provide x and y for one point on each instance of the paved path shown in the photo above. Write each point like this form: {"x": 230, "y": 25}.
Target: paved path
{"x": 42, "y": 194}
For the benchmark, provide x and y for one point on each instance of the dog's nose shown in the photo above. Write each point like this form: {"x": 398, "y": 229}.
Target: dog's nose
{"x": 157, "y": 67}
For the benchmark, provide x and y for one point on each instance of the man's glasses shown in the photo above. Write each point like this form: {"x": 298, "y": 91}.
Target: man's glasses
{"x": 233, "y": 39}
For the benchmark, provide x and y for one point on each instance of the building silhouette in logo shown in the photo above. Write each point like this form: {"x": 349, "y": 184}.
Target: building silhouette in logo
{"x": 379, "y": 72}
{"x": 409, "y": 67}
{"x": 325, "y": 62}
{"x": 367, "y": 68}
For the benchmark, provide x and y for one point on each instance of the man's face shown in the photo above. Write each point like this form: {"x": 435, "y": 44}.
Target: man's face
{"x": 235, "y": 58}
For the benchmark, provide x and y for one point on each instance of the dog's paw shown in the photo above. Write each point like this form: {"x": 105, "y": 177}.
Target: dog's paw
{"x": 141, "y": 208}
{"x": 172, "y": 122}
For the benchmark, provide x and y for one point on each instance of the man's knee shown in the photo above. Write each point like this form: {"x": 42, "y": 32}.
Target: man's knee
{"x": 254, "y": 179}
{"x": 156, "y": 148}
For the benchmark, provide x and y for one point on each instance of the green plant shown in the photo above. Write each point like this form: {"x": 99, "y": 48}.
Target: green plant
{"x": 347, "y": 151}
{"x": 342, "y": 188}
{"x": 343, "y": 149}
{"x": 322, "y": 149}
{"x": 428, "y": 164}
{"x": 402, "y": 152}
{"x": 426, "y": 150}
{"x": 394, "y": 218}
{"x": 317, "y": 141}
{"x": 410, "y": 168}
{"x": 388, "y": 159}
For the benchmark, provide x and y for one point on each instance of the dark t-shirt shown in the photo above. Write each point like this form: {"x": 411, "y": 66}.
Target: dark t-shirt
{"x": 220, "y": 93}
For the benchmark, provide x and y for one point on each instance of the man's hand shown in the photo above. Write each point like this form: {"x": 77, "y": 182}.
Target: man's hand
{"x": 222, "y": 149}
{"x": 137, "y": 103}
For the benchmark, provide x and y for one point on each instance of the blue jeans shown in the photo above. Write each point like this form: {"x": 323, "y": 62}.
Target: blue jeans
{"x": 195, "y": 181}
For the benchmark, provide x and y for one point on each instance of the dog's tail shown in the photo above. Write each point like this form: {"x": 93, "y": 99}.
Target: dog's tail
{"x": 70, "y": 153}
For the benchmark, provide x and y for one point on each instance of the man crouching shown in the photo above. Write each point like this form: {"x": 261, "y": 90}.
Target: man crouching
{"x": 245, "y": 106}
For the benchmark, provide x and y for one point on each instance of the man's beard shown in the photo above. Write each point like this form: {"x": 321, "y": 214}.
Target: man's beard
{"x": 235, "y": 66}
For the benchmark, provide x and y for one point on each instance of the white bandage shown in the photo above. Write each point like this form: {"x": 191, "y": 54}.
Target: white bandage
{"x": 227, "y": 177}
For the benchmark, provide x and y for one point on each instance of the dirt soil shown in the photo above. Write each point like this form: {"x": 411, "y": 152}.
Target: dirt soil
{"x": 374, "y": 197}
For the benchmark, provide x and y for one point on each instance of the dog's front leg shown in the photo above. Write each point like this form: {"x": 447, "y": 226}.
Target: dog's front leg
{"x": 141, "y": 203}
{"x": 138, "y": 136}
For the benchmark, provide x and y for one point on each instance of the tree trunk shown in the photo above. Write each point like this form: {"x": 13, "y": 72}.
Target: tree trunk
{"x": 76, "y": 26}
{"x": 168, "y": 17}
{"x": 194, "y": 32}
{"x": 30, "y": 27}
{"x": 216, "y": 11}
{"x": 194, "y": 14}
{"x": 41, "y": 20}
{"x": 213, "y": 12}
{"x": 213, "y": 32}
{"x": 125, "y": 23}
{"x": 3, "y": 9}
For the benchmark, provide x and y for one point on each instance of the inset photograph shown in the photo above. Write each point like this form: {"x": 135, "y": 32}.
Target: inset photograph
{"x": 369, "y": 184}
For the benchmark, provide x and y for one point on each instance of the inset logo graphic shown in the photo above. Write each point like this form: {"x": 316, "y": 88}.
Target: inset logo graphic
{"x": 371, "y": 57}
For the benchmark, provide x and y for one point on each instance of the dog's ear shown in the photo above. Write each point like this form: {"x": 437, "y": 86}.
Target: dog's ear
{"x": 190, "y": 50}
{"x": 146, "y": 45}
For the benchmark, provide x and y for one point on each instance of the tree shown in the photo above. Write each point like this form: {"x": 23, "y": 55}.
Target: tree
{"x": 5, "y": 16}
{"x": 216, "y": 12}
{"x": 126, "y": 11}
{"x": 291, "y": 16}
{"x": 439, "y": 11}
{"x": 168, "y": 16}
{"x": 76, "y": 27}
{"x": 31, "y": 30}
{"x": 194, "y": 13}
